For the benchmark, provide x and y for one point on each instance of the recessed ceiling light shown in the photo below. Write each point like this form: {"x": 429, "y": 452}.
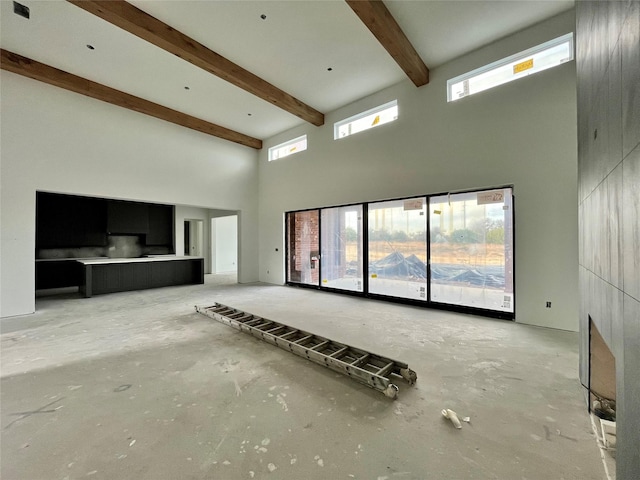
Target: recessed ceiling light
{"x": 187, "y": 88}
{"x": 21, "y": 10}
{"x": 329, "y": 69}
{"x": 90, "y": 47}
{"x": 263, "y": 16}
{"x": 249, "y": 114}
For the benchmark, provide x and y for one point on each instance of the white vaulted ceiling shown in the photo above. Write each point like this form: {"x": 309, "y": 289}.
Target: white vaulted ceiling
{"x": 292, "y": 48}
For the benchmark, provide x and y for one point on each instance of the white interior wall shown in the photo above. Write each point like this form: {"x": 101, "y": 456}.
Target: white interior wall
{"x": 59, "y": 141}
{"x": 194, "y": 213}
{"x": 522, "y": 133}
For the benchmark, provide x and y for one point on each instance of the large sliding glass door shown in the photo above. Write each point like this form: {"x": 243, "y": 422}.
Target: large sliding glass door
{"x": 451, "y": 251}
{"x": 341, "y": 240}
{"x": 471, "y": 247}
{"x": 398, "y": 248}
{"x": 303, "y": 247}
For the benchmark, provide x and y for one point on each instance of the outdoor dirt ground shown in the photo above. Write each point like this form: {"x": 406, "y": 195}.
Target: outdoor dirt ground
{"x": 463, "y": 254}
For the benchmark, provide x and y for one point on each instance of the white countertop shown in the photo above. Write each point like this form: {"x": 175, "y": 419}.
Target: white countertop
{"x": 158, "y": 258}
{"x": 68, "y": 259}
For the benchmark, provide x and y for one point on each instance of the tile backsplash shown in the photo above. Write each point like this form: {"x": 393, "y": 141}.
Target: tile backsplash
{"x": 118, "y": 246}
{"x": 124, "y": 246}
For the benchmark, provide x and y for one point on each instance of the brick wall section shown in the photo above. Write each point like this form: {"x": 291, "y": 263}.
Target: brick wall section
{"x": 306, "y": 241}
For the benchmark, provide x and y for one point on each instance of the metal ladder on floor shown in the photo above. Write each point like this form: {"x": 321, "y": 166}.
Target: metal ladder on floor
{"x": 373, "y": 370}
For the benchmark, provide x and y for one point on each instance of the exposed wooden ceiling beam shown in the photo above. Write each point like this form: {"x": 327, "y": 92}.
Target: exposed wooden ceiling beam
{"x": 380, "y": 22}
{"x": 143, "y": 25}
{"x": 24, "y": 66}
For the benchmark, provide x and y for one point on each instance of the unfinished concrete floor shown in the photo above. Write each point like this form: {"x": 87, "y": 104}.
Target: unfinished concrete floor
{"x": 137, "y": 385}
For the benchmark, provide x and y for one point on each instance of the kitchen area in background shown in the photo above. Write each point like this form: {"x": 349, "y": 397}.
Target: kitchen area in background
{"x": 98, "y": 245}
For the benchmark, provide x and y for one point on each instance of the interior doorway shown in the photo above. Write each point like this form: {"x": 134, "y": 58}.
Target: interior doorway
{"x": 224, "y": 244}
{"x": 193, "y": 238}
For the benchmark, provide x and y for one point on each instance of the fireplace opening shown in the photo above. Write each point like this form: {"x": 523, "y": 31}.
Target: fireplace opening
{"x": 602, "y": 376}
{"x": 602, "y": 397}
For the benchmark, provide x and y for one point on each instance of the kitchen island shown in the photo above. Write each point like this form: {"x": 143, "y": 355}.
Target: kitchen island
{"x": 109, "y": 275}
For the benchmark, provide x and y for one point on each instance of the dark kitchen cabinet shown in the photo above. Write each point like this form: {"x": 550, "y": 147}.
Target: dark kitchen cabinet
{"x": 127, "y": 218}
{"x": 64, "y": 221}
{"x": 161, "y": 274}
{"x": 71, "y": 221}
{"x": 133, "y": 276}
{"x": 107, "y": 278}
{"x": 110, "y": 278}
{"x": 160, "y": 225}
{"x": 58, "y": 274}
{"x": 104, "y": 277}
